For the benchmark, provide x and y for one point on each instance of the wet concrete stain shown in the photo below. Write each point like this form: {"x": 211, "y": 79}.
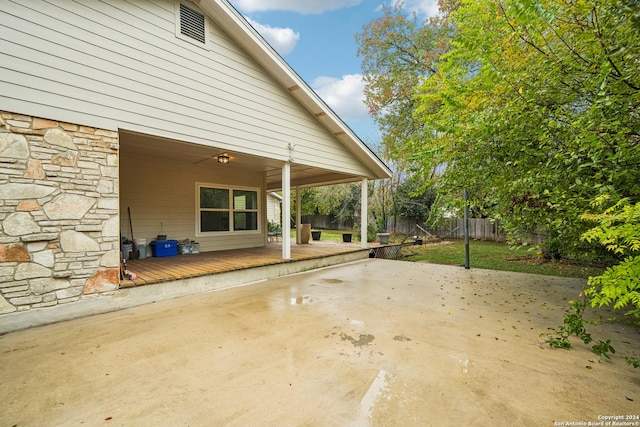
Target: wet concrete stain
{"x": 301, "y": 300}
{"x": 363, "y": 339}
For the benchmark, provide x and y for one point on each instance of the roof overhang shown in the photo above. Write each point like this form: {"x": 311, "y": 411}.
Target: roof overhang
{"x": 230, "y": 20}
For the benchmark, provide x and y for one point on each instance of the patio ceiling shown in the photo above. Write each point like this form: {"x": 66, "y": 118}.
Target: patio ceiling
{"x": 182, "y": 154}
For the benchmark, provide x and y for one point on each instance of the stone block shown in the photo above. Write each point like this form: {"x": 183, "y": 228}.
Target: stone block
{"x": 62, "y": 274}
{"x": 45, "y": 286}
{"x": 23, "y": 191}
{"x": 6, "y": 172}
{"x": 110, "y": 203}
{"x": 66, "y": 159}
{"x": 28, "y": 206}
{"x": 5, "y": 307}
{"x": 103, "y": 281}
{"x": 68, "y": 206}
{"x": 7, "y": 272}
{"x": 107, "y": 133}
{"x": 60, "y": 138}
{"x": 109, "y": 171}
{"x": 68, "y": 293}
{"x": 40, "y": 237}
{"x": 36, "y": 246}
{"x": 87, "y": 129}
{"x": 111, "y": 259}
{"x": 88, "y": 165}
{"x": 19, "y": 224}
{"x": 112, "y": 160}
{"x": 32, "y": 299}
{"x": 15, "y": 293}
{"x": 13, "y": 146}
{"x": 14, "y": 287}
{"x": 89, "y": 228}
{"x": 19, "y": 124}
{"x": 30, "y": 270}
{"x": 45, "y": 304}
{"x": 73, "y": 241}
{"x": 105, "y": 186}
{"x": 39, "y": 123}
{"x": 14, "y": 253}
{"x": 44, "y": 258}
{"x": 34, "y": 170}
{"x": 69, "y": 127}
{"x": 75, "y": 266}
{"x": 49, "y": 297}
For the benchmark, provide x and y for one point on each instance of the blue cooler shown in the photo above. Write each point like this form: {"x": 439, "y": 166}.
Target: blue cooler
{"x": 161, "y": 248}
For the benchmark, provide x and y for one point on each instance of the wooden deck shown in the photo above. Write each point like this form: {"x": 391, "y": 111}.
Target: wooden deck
{"x": 165, "y": 269}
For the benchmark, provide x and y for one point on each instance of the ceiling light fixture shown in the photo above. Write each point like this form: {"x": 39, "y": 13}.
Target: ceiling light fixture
{"x": 223, "y": 158}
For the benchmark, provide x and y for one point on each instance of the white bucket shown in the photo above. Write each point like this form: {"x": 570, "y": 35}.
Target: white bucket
{"x": 141, "y": 247}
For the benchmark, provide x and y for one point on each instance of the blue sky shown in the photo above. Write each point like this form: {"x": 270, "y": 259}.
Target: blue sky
{"x": 317, "y": 39}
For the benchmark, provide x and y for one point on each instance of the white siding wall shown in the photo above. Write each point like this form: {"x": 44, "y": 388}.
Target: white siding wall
{"x": 161, "y": 192}
{"x": 119, "y": 65}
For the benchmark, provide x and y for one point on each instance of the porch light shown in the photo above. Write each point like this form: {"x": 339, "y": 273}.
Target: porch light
{"x": 223, "y": 158}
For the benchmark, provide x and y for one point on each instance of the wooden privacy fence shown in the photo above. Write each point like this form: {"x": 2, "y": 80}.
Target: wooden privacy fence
{"x": 452, "y": 228}
{"x": 479, "y": 229}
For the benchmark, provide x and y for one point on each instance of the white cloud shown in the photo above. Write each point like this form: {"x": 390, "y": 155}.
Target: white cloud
{"x": 283, "y": 40}
{"x": 300, "y": 6}
{"x": 345, "y": 96}
{"x": 424, "y": 8}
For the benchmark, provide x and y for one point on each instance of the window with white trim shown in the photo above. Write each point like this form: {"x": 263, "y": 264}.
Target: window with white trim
{"x": 225, "y": 209}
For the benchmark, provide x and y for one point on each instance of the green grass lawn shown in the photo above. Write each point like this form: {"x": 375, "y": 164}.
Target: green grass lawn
{"x": 488, "y": 255}
{"x": 497, "y": 256}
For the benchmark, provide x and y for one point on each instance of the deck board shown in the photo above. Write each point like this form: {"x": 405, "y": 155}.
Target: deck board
{"x": 164, "y": 269}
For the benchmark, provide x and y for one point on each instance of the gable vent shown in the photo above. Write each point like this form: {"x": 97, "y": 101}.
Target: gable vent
{"x": 192, "y": 24}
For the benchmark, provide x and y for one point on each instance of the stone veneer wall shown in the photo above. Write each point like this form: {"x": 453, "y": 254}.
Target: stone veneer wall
{"x": 59, "y": 224}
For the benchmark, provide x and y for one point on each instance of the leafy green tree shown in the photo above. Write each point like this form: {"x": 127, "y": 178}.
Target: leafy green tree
{"x": 414, "y": 201}
{"x": 398, "y": 52}
{"x": 340, "y": 201}
{"x": 618, "y": 230}
{"x": 535, "y": 112}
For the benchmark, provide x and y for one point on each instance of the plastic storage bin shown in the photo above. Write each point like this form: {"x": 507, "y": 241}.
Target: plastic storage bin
{"x": 141, "y": 246}
{"x": 160, "y": 248}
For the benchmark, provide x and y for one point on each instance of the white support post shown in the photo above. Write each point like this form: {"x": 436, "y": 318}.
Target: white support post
{"x": 286, "y": 211}
{"x": 364, "y": 213}
{"x": 298, "y": 216}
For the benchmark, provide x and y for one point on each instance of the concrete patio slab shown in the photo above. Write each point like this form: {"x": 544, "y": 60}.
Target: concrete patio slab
{"x": 375, "y": 342}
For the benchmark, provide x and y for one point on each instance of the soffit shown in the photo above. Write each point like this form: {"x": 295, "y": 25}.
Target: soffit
{"x": 180, "y": 154}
